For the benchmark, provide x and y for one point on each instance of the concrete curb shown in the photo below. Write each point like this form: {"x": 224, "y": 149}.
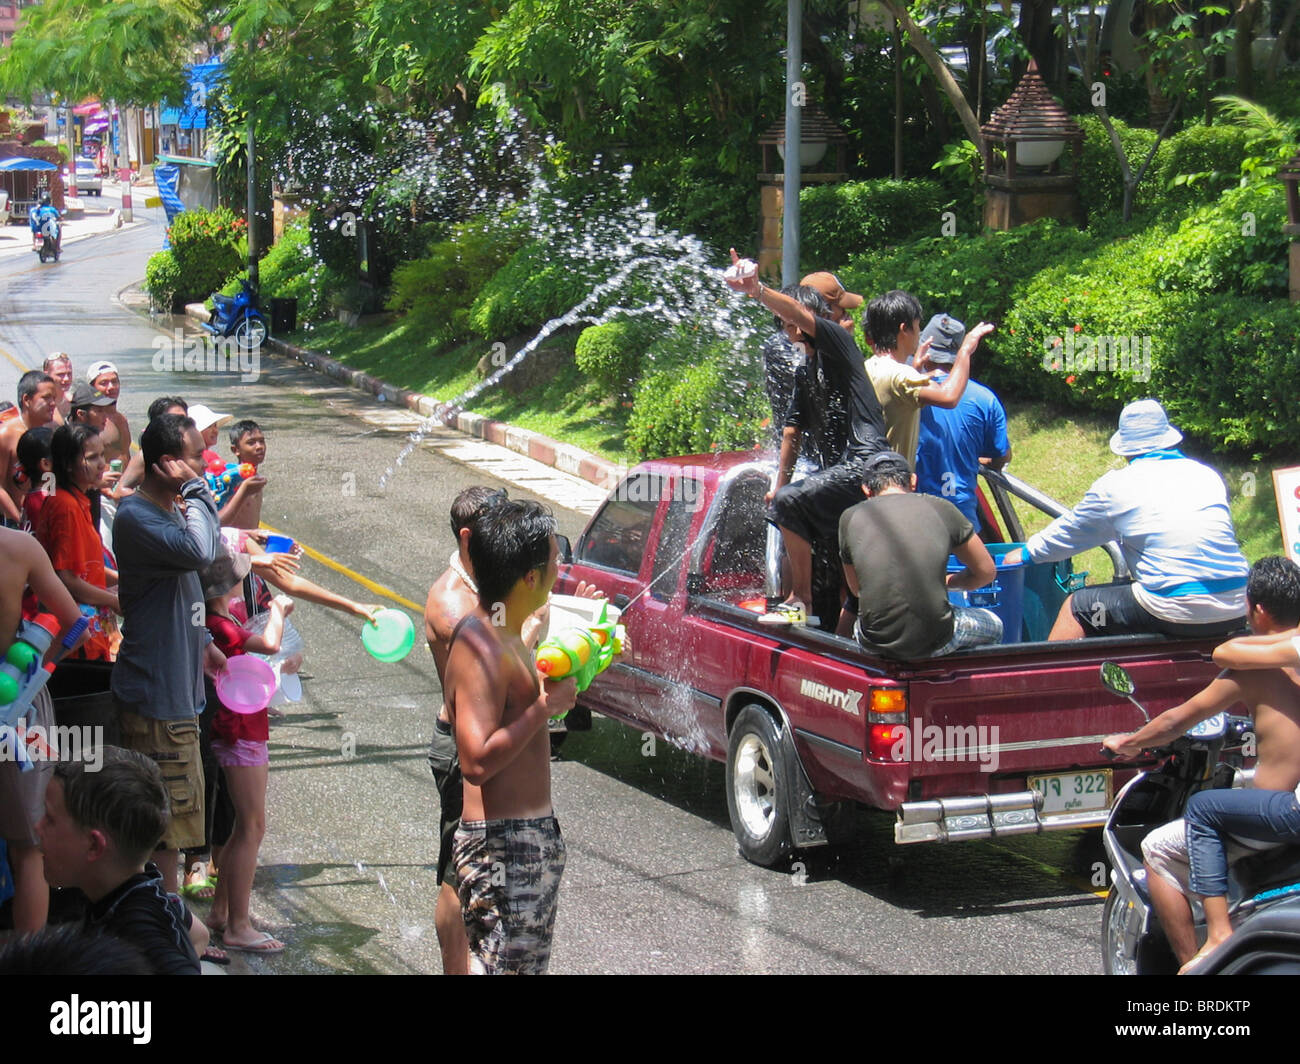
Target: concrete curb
{"x": 554, "y": 453}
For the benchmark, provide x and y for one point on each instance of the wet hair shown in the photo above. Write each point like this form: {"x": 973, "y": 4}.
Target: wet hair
{"x": 471, "y": 502}
{"x": 508, "y": 541}
{"x": 1274, "y": 583}
{"x": 240, "y": 429}
{"x": 65, "y": 451}
{"x": 54, "y": 360}
{"x": 808, "y": 296}
{"x": 886, "y": 314}
{"x": 162, "y": 403}
{"x": 69, "y": 949}
{"x": 165, "y": 434}
{"x": 887, "y": 475}
{"x": 30, "y": 381}
{"x": 33, "y": 448}
{"x": 125, "y": 799}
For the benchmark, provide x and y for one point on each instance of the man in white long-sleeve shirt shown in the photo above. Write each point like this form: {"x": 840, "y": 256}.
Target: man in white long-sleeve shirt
{"x": 1170, "y": 516}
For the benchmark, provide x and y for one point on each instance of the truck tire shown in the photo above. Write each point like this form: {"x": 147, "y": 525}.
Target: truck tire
{"x": 758, "y": 787}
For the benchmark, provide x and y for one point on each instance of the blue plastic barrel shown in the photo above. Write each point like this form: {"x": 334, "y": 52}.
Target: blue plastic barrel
{"x": 1005, "y": 596}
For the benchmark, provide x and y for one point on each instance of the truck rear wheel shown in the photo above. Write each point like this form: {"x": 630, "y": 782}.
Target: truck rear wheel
{"x": 758, "y": 787}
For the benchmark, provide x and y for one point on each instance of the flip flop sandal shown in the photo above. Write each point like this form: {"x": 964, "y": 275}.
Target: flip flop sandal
{"x": 262, "y": 945}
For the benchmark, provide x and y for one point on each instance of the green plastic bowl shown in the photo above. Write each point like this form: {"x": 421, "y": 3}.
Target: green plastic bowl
{"x": 391, "y": 637}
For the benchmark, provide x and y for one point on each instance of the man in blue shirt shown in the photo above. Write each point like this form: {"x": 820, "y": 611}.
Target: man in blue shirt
{"x": 954, "y": 442}
{"x": 1170, "y": 516}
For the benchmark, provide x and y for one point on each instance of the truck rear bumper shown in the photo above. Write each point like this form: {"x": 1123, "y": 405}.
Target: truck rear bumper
{"x": 987, "y": 816}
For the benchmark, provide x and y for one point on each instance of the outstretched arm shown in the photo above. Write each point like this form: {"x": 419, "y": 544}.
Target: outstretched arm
{"x": 1276, "y": 651}
{"x": 1219, "y": 695}
{"x": 785, "y": 308}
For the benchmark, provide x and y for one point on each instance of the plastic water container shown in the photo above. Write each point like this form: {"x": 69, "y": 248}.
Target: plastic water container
{"x": 1005, "y": 596}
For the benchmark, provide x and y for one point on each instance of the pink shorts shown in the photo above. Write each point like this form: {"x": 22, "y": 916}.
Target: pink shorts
{"x": 242, "y": 753}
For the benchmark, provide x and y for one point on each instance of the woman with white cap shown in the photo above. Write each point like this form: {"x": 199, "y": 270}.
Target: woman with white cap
{"x": 1170, "y": 516}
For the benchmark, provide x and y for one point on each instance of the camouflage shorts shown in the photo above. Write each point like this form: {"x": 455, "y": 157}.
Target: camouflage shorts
{"x": 508, "y": 877}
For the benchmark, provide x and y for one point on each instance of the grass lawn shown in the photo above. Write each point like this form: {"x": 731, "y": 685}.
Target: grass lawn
{"x": 1059, "y": 454}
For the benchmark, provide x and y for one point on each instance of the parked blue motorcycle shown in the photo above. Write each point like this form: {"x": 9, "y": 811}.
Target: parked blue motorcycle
{"x": 237, "y": 317}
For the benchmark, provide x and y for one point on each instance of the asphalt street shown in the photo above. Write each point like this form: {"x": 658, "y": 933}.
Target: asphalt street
{"x": 654, "y": 882}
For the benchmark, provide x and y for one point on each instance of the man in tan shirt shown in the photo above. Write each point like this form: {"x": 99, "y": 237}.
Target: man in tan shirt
{"x": 893, "y": 327}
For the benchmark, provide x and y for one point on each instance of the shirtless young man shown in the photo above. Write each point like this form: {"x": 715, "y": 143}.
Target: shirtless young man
{"x": 23, "y": 564}
{"x": 103, "y": 377}
{"x": 1273, "y": 698}
{"x": 452, "y": 597}
{"x": 508, "y": 853}
{"x": 37, "y": 396}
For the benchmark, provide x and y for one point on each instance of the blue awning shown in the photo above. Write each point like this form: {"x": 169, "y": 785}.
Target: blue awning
{"x": 18, "y": 162}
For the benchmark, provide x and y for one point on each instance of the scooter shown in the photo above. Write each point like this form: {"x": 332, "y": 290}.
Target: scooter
{"x": 1264, "y": 888}
{"x": 238, "y": 317}
{"x": 47, "y": 241}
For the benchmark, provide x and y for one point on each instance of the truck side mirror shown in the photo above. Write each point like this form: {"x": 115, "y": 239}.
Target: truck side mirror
{"x": 566, "y": 549}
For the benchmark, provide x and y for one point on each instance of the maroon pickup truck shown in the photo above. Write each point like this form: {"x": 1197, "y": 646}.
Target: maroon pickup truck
{"x": 984, "y": 743}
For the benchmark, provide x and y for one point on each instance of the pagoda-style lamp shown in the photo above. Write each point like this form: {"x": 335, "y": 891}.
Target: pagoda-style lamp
{"x": 1026, "y": 138}
{"x": 818, "y": 134}
{"x": 1290, "y": 177}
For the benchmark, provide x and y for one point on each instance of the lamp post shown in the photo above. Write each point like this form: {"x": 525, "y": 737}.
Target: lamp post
{"x": 1290, "y": 177}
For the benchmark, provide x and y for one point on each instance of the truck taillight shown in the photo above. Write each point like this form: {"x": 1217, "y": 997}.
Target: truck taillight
{"x": 882, "y": 738}
{"x": 888, "y": 704}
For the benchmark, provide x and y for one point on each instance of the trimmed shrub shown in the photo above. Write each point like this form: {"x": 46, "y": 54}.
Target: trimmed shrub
{"x": 610, "y": 354}
{"x": 290, "y": 270}
{"x": 1197, "y": 164}
{"x": 442, "y": 285}
{"x": 699, "y": 408}
{"x": 162, "y": 279}
{"x": 974, "y": 278}
{"x": 1227, "y": 358}
{"x": 533, "y": 287}
{"x": 208, "y": 247}
{"x": 1230, "y": 245}
{"x": 855, "y": 217}
{"x": 1101, "y": 182}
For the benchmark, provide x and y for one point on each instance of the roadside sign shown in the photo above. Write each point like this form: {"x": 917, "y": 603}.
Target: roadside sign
{"x": 1286, "y": 487}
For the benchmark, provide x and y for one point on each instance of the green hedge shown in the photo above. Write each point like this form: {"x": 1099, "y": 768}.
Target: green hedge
{"x": 208, "y": 247}
{"x": 711, "y": 405}
{"x": 611, "y": 354}
{"x": 974, "y": 278}
{"x": 858, "y": 217}
{"x": 162, "y": 280}
{"x": 1191, "y": 311}
{"x": 442, "y": 286}
{"x": 1210, "y": 155}
{"x": 533, "y": 287}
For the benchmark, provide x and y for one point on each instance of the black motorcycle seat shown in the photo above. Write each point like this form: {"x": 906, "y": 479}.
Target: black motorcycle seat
{"x": 1269, "y": 870}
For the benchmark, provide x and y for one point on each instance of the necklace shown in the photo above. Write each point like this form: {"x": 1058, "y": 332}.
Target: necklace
{"x": 455, "y": 566}
{"x": 141, "y": 491}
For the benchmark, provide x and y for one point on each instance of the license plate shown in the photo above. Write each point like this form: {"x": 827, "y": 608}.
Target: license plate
{"x": 1074, "y": 792}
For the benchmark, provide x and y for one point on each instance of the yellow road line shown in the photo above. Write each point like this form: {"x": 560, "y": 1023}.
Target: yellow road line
{"x": 1042, "y": 866}
{"x": 15, "y": 361}
{"x": 339, "y": 567}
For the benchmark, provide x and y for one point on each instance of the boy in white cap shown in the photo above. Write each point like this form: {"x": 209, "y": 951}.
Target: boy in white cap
{"x": 103, "y": 377}
{"x": 1170, "y": 516}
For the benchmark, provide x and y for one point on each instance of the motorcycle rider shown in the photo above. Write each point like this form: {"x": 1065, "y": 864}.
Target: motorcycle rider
{"x": 42, "y": 214}
{"x": 1273, "y": 698}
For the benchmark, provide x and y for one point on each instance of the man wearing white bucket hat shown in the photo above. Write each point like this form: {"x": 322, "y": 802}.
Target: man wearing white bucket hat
{"x": 1170, "y": 516}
